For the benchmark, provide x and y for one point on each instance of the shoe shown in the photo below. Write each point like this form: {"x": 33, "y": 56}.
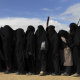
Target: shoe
{"x": 29, "y": 73}
{"x": 6, "y": 72}
{"x": 20, "y": 73}
{"x": 65, "y": 74}
{"x": 17, "y": 73}
{"x": 76, "y": 75}
{"x": 42, "y": 73}
{"x": 53, "y": 74}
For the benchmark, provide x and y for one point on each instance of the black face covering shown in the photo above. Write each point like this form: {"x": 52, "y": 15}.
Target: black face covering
{"x": 31, "y": 28}
{"x": 63, "y": 33}
{"x": 40, "y": 27}
{"x": 73, "y": 27}
{"x": 50, "y": 28}
{"x": 40, "y": 31}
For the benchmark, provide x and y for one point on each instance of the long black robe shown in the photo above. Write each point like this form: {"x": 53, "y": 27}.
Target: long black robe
{"x": 75, "y": 35}
{"x": 19, "y": 50}
{"x": 40, "y": 36}
{"x": 7, "y": 42}
{"x": 53, "y": 54}
{"x": 30, "y": 48}
{"x": 2, "y": 59}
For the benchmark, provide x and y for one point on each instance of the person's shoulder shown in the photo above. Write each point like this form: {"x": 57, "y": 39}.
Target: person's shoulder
{"x": 78, "y": 30}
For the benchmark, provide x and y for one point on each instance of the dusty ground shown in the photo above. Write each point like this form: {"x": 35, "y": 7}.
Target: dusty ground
{"x": 35, "y": 77}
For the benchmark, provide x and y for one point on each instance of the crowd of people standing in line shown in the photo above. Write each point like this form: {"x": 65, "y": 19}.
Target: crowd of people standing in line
{"x": 40, "y": 52}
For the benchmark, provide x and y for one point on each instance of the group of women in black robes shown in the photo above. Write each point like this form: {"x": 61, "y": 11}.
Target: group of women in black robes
{"x": 39, "y": 52}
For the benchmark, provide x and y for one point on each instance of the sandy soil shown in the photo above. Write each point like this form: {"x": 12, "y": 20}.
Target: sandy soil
{"x": 35, "y": 77}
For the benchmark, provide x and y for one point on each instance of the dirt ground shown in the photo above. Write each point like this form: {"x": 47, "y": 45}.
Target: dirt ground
{"x": 35, "y": 77}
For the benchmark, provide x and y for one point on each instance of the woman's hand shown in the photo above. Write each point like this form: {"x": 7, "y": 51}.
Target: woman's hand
{"x": 63, "y": 39}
